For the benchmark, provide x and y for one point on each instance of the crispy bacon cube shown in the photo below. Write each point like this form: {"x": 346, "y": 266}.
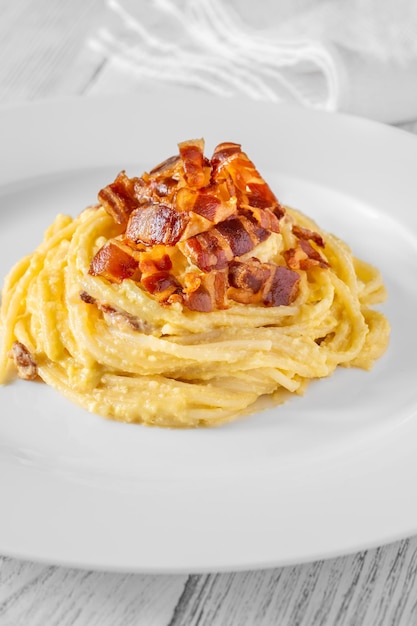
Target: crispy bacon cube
{"x": 114, "y": 263}
{"x": 190, "y": 225}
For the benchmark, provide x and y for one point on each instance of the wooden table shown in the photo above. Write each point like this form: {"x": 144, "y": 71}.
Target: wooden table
{"x": 39, "y": 41}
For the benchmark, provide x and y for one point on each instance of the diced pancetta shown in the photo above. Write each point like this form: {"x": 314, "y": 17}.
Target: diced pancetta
{"x": 119, "y": 198}
{"x": 304, "y": 257}
{"x": 114, "y": 263}
{"x": 25, "y": 363}
{"x": 190, "y": 226}
{"x": 156, "y": 224}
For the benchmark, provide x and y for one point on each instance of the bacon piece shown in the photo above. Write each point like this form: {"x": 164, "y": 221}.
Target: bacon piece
{"x": 250, "y": 275}
{"x": 161, "y": 184}
{"x": 119, "y": 198}
{"x": 306, "y": 233}
{"x": 199, "y": 300}
{"x": 207, "y": 202}
{"x": 252, "y": 188}
{"x": 164, "y": 189}
{"x": 243, "y": 296}
{"x": 236, "y": 235}
{"x": 216, "y": 284}
{"x": 304, "y": 257}
{"x": 294, "y": 257}
{"x": 210, "y": 295}
{"x": 247, "y": 280}
{"x": 207, "y": 205}
{"x": 283, "y": 289}
{"x": 215, "y": 212}
{"x": 85, "y": 297}
{"x": 254, "y": 282}
{"x": 208, "y": 251}
{"x": 197, "y": 224}
{"x": 217, "y": 247}
{"x": 24, "y": 361}
{"x": 204, "y": 208}
{"x": 161, "y": 285}
{"x": 123, "y": 319}
{"x": 223, "y": 154}
{"x": 313, "y": 254}
{"x": 192, "y": 281}
{"x": 257, "y": 233}
{"x": 114, "y": 263}
{"x": 185, "y": 199}
{"x": 266, "y": 218}
{"x": 153, "y": 261}
{"x": 154, "y": 190}
{"x": 192, "y": 156}
{"x": 156, "y": 224}
{"x": 156, "y": 278}
{"x": 242, "y": 234}
{"x": 118, "y": 317}
{"x": 213, "y": 208}
{"x": 261, "y": 196}
{"x": 167, "y": 165}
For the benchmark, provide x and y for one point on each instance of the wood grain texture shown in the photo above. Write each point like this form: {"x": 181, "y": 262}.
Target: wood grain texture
{"x": 372, "y": 587}
{"x": 376, "y": 587}
{"x": 43, "y": 54}
{"x": 36, "y": 595}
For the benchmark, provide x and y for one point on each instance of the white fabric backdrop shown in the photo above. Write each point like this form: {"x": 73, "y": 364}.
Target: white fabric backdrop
{"x": 356, "y": 56}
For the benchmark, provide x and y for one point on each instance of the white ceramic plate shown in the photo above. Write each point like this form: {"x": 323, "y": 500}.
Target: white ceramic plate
{"x": 327, "y": 474}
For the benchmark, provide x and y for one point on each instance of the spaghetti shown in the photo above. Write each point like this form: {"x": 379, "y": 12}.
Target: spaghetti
{"x": 187, "y": 295}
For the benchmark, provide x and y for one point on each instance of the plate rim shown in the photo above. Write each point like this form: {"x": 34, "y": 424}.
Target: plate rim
{"x": 42, "y": 109}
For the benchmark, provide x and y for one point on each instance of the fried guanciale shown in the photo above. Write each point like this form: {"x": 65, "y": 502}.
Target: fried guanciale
{"x": 191, "y": 227}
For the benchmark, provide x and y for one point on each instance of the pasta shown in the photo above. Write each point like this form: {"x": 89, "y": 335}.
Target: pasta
{"x": 143, "y": 330}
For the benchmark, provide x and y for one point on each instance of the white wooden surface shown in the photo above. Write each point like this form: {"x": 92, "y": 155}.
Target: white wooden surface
{"x": 39, "y": 44}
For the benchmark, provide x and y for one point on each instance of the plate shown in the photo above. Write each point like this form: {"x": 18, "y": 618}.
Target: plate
{"x": 327, "y": 474}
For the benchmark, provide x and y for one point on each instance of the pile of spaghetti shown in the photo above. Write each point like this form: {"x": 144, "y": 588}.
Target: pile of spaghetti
{"x": 186, "y": 295}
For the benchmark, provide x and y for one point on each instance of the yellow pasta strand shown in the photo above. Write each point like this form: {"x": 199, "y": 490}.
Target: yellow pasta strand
{"x": 179, "y": 367}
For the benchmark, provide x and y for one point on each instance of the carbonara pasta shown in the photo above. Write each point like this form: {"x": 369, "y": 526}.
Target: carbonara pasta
{"x": 186, "y": 295}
